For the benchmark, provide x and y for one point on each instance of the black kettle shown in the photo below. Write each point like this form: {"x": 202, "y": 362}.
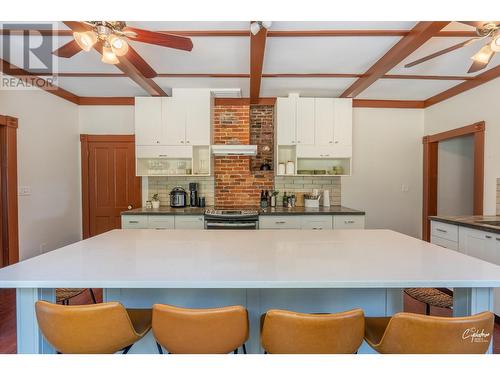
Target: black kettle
{"x": 178, "y": 197}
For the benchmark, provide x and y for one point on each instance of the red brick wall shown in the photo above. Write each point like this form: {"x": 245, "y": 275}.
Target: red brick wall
{"x": 262, "y": 134}
{"x": 236, "y": 184}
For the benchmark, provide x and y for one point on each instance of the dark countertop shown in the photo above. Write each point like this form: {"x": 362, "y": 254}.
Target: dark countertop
{"x": 332, "y": 210}
{"x": 166, "y": 210}
{"x": 470, "y": 222}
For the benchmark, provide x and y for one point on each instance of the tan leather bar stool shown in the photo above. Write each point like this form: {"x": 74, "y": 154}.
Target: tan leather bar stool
{"x": 407, "y": 333}
{"x": 288, "y": 332}
{"x": 102, "y": 328}
{"x": 200, "y": 331}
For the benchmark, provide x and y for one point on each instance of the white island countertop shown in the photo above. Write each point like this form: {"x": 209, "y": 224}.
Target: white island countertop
{"x": 148, "y": 258}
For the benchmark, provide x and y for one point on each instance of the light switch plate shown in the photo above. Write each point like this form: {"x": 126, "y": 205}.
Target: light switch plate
{"x": 24, "y": 190}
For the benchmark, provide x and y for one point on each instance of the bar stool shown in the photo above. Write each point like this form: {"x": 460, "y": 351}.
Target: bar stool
{"x": 200, "y": 331}
{"x": 103, "y": 328}
{"x": 407, "y": 333}
{"x": 288, "y": 332}
{"x": 63, "y": 295}
{"x": 431, "y": 297}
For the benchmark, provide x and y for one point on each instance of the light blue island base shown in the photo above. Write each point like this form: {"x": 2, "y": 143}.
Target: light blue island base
{"x": 374, "y": 301}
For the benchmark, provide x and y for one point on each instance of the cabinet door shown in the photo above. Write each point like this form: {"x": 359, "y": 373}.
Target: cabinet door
{"x": 175, "y": 121}
{"x": 285, "y": 121}
{"x": 478, "y": 244}
{"x": 305, "y": 121}
{"x": 160, "y": 222}
{"x": 324, "y": 116}
{"x": 189, "y": 222}
{"x": 198, "y": 117}
{"x": 134, "y": 221}
{"x": 349, "y": 222}
{"x": 279, "y": 222}
{"x": 342, "y": 126}
{"x": 316, "y": 222}
{"x": 148, "y": 121}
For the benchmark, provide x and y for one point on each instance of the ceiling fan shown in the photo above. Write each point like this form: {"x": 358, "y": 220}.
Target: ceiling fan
{"x": 111, "y": 39}
{"x": 489, "y": 31}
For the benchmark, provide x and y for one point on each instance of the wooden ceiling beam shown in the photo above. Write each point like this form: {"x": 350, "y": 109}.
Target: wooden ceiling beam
{"x": 464, "y": 86}
{"x": 257, "y": 51}
{"x": 36, "y": 81}
{"x": 271, "y": 34}
{"x": 420, "y": 34}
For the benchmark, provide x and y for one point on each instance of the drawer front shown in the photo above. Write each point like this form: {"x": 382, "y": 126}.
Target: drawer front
{"x": 164, "y": 152}
{"x": 279, "y": 222}
{"x": 161, "y": 222}
{"x": 189, "y": 222}
{"x": 319, "y": 222}
{"x": 134, "y": 221}
{"x": 452, "y": 245}
{"x": 444, "y": 230}
{"x": 349, "y": 222}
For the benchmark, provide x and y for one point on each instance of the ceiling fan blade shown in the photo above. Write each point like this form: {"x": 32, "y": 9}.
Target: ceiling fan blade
{"x": 68, "y": 50}
{"x": 477, "y": 66}
{"x": 442, "y": 52}
{"x": 160, "y": 39}
{"x": 141, "y": 64}
{"x": 77, "y": 26}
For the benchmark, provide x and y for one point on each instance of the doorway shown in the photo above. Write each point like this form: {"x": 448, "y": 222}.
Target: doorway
{"x": 109, "y": 182}
{"x": 459, "y": 153}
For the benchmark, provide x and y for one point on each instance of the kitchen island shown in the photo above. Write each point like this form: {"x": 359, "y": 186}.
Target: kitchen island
{"x": 309, "y": 271}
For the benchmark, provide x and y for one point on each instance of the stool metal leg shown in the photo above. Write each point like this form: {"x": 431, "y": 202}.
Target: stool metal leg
{"x": 125, "y": 350}
{"x": 244, "y": 349}
{"x": 160, "y": 350}
{"x": 92, "y": 295}
{"x": 236, "y": 351}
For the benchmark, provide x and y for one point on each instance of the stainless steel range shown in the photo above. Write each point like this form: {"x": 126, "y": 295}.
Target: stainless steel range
{"x": 231, "y": 219}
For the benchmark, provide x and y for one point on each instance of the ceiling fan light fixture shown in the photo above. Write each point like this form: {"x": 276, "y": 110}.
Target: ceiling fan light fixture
{"x": 484, "y": 55}
{"x": 118, "y": 45}
{"x": 255, "y": 27}
{"x": 495, "y": 42}
{"x": 266, "y": 24}
{"x": 85, "y": 40}
{"x": 108, "y": 56}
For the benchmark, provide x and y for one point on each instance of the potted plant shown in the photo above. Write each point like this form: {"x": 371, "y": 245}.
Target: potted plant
{"x": 155, "y": 200}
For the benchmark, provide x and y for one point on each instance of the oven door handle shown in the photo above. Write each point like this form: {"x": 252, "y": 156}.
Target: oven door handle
{"x": 230, "y": 225}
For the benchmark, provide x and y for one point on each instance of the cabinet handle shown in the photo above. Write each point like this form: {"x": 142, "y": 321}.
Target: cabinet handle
{"x": 298, "y": 141}
{"x": 133, "y": 222}
{"x": 441, "y": 230}
{"x": 162, "y": 156}
{"x": 330, "y": 142}
{"x": 280, "y": 222}
{"x": 317, "y": 228}
{"x": 293, "y": 141}
{"x": 336, "y": 141}
{"x": 349, "y": 222}
{"x": 488, "y": 236}
{"x": 187, "y": 141}
{"x": 157, "y": 141}
{"x": 498, "y": 239}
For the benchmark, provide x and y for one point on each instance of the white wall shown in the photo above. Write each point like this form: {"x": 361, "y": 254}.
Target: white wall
{"x": 47, "y": 162}
{"x": 471, "y": 106}
{"x": 387, "y": 154}
{"x": 106, "y": 119}
{"x": 456, "y": 176}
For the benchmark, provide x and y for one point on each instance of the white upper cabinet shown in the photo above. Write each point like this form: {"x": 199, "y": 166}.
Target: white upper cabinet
{"x": 148, "y": 121}
{"x": 305, "y": 121}
{"x": 286, "y": 120}
{"x": 175, "y": 121}
{"x": 342, "y": 131}
{"x": 324, "y": 120}
{"x": 199, "y": 118}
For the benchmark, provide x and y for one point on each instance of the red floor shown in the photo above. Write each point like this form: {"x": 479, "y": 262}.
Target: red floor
{"x": 8, "y": 317}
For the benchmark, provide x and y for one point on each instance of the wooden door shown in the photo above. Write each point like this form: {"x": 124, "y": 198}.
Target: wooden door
{"x": 110, "y": 185}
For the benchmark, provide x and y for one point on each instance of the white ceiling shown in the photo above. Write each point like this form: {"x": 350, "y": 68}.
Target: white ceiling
{"x": 283, "y": 55}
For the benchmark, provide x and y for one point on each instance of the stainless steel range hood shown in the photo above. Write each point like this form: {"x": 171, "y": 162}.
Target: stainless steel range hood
{"x": 227, "y": 150}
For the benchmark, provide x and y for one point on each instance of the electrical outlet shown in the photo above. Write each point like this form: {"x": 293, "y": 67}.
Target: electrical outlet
{"x": 24, "y": 190}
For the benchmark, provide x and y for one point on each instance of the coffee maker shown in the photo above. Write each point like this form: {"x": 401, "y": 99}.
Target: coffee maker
{"x": 193, "y": 194}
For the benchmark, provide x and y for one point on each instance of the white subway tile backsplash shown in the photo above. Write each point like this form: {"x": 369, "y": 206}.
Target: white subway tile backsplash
{"x": 295, "y": 184}
{"x": 163, "y": 185}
